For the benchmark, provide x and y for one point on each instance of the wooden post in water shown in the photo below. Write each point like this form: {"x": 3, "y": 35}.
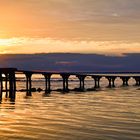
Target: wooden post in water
{"x": 65, "y": 78}
{"x": 9, "y": 77}
{"x": 1, "y": 86}
{"x": 125, "y": 80}
{"x": 6, "y": 84}
{"x": 47, "y": 83}
{"x": 28, "y": 82}
{"x": 82, "y": 82}
{"x": 111, "y": 80}
{"x": 137, "y": 79}
{"x": 97, "y": 81}
{"x": 12, "y": 84}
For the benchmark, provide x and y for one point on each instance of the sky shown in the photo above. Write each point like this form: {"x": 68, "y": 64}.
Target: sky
{"x": 109, "y": 27}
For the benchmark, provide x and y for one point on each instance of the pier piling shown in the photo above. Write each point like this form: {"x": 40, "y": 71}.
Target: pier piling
{"x": 65, "y": 78}
{"x": 137, "y": 79}
{"x": 8, "y": 75}
{"x": 96, "y": 81}
{"x": 12, "y": 84}
{"x": 8, "y": 78}
{"x": 125, "y": 80}
{"x": 111, "y": 80}
{"x": 47, "y": 83}
{"x": 82, "y": 82}
{"x": 28, "y": 82}
{"x": 1, "y": 86}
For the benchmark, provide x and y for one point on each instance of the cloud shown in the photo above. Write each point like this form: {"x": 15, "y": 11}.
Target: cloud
{"x": 49, "y": 45}
{"x": 69, "y": 19}
{"x": 90, "y": 9}
{"x": 71, "y": 62}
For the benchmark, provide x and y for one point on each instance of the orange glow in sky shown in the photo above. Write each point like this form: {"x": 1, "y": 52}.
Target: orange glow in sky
{"x": 84, "y": 26}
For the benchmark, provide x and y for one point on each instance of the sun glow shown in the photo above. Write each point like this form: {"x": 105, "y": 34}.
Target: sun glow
{"x": 6, "y": 43}
{"x": 23, "y": 45}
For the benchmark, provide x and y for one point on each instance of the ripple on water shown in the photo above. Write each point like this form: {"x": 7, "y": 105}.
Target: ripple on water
{"x": 107, "y": 114}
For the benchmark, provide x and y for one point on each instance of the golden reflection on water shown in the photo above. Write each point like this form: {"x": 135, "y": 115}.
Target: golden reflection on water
{"x": 110, "y": 114}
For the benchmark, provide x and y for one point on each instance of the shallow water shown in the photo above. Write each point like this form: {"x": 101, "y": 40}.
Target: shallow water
{"x": 107, "y": 114}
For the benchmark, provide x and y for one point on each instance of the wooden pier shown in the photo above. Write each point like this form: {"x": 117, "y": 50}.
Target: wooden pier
{"x": 8, "y": 80}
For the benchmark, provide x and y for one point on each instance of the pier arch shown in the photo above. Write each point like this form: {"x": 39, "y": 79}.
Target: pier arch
{"x": 39, "y": 82}
{"x": 125, "y": 80}
{"x": 131, "y": 81}
{"x": 137, "y": 80}
{"x": 118, "y": 82}
{"x": 89, "y": 83}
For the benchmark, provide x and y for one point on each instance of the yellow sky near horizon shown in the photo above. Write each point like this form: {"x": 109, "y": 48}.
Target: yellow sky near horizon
{"x": 84, "y": 26}
{"x": 49, "y": 45}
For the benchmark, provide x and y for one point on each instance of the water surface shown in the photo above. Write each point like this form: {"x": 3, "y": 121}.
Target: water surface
{"x": 107, "y": 114}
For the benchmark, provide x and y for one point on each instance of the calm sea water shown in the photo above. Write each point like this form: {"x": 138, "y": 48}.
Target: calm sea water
{"x": 107, "y": 114}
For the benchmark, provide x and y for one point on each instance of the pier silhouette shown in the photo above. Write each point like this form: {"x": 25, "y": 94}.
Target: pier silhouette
{"x": 8, "y": 76}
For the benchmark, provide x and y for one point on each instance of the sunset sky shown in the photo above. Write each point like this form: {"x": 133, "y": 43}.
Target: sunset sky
{"x": 110, "y": 27}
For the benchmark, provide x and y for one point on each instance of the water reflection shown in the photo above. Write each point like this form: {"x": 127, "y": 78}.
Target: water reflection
{"x": 103, "y": 114}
